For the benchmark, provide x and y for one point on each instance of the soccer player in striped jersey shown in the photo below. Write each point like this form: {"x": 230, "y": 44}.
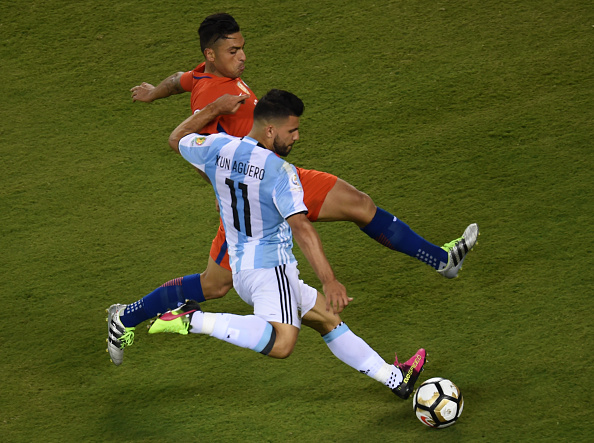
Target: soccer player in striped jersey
{"x": 261, "y": 205}
{"x": 327, "y": 197}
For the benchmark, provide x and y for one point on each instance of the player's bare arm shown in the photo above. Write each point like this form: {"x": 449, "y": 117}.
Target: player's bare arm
{"x": 145, "y": 92}
{"x": 226, "y": 104}
{"x": 311, "y": 245}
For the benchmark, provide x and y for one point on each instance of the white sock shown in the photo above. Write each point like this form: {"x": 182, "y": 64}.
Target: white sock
{"x": 246, "y": 331}
{"x": 353, "y": 351}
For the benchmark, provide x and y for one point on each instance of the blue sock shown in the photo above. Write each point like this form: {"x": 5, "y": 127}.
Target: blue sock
{"x": 170, "y": 295}
{"x": 397, "y": 235}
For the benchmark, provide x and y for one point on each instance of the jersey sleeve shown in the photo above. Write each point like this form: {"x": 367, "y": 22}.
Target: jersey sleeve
{"x": 186, "y": 81}
{"x": 288, "y": 192}
{"x": 194, "y": 148}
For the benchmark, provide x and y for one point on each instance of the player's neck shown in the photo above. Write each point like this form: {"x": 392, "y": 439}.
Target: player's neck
{"x": 260, "y": 138}
{"x": 210, "y": 68}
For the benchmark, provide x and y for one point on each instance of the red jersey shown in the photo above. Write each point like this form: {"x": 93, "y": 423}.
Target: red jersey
{"x": 206, "y": 88}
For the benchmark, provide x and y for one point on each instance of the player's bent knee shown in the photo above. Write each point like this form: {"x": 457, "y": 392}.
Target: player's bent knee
{"x": 216, "y": 284}
{"x": 365, "y": 203}
{"x": 285, "y": 339}
{"x": 322, "y": 323}
{"x": 282, "y": 349}
{"x": 319, "y": 319}
{"x": 212, "y": 292}
{"x": 281, "y": 352}
{"x": 361, "y": 208}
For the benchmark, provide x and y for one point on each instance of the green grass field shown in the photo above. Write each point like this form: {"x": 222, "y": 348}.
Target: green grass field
{"x": 445, "y": 113}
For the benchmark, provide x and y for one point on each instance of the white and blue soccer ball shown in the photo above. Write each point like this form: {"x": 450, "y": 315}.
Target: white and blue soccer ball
{"x": 438, "y": 403}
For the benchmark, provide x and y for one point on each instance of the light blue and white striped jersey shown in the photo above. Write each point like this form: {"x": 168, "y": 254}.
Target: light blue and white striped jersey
{"x": 256, "y": 190}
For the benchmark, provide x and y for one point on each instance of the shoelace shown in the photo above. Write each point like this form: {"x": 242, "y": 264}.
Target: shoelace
{"x": 127, "y": 338}
{"x": 449, "y": 246}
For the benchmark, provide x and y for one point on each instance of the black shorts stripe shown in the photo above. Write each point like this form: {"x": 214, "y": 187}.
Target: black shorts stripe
{"x": 284, "y": 292}
{"x": 280, "y": 292}
{"x": 288, "y": 295}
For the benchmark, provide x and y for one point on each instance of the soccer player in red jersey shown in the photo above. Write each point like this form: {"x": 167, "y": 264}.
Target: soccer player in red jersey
{"x": 327, "y": 197}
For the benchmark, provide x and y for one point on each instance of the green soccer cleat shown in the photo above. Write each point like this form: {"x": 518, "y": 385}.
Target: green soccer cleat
{"x": 118, "y": 336}
{"x": 457, "y": 250}
{"x": 176, "y": 321}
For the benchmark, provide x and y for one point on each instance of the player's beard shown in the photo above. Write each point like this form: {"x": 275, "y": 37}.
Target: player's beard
{"x": 282, "y": 149}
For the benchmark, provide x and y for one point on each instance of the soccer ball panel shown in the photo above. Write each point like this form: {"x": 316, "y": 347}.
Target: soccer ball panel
{"x": 427, "y": 395}
{"x": 449, "y": 388}
{"x": 446, "y": 410}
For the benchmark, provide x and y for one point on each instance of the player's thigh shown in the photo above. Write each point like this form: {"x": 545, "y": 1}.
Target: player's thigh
{"x": 319, "y": 319}
{"x": 274, "y": 293}
{"x": 344, "y": 202}
{"x": 216, "y": 281}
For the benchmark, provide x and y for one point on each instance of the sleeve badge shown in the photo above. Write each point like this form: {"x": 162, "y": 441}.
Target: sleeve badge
{"x": 295, "y": 184}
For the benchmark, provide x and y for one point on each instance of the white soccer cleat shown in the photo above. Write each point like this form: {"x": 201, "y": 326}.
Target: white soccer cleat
{"x": 457, "y": 250}
{"x": 118, "y": 336}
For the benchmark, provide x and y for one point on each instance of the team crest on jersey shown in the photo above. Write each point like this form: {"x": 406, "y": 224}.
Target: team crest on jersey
{"x": 199, "y": 140}
{"x": 295, "y": 184}
{"x": 241, "y": 85}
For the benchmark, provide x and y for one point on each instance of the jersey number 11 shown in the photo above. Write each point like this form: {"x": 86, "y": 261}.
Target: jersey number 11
{"x": 246, "y": 206}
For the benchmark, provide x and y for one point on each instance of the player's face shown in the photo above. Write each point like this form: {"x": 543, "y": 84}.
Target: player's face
{"x": 287, "y": 133}
{"x": 228, "y": 57}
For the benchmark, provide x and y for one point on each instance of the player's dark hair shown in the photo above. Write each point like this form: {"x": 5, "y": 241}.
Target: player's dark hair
{"x": 278, "y": 104}
{"x": 215, "y": 27}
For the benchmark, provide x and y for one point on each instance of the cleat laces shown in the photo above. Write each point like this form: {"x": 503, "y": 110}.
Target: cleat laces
{"x": 127, "y": 338}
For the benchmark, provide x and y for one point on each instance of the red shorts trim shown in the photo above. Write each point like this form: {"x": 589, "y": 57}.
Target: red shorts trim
{"x": 316, "y": 186}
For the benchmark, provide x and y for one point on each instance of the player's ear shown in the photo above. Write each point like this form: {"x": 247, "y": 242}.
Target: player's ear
{"x": 209, "y": 54}
{"x": 270, "y": 131}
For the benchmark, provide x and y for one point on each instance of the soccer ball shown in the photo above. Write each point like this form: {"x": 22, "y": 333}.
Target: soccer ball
{"x": 438, "y": 403}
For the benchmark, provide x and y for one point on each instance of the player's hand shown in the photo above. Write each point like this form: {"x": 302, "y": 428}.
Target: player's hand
{"x": 229, "y": 104}
{"x": 336, "y": 296}
{"x": 142, "y": 92}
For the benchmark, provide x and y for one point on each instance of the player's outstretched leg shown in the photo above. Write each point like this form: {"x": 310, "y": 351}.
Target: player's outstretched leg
{"x": 457, "y": 250}
{"x": 246, "y": 331}
{"x": 344, "y": 202}
{"x": 118, "y": 336}
{"x": 410, "y": 373}
{"x": 355, "y": 352}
